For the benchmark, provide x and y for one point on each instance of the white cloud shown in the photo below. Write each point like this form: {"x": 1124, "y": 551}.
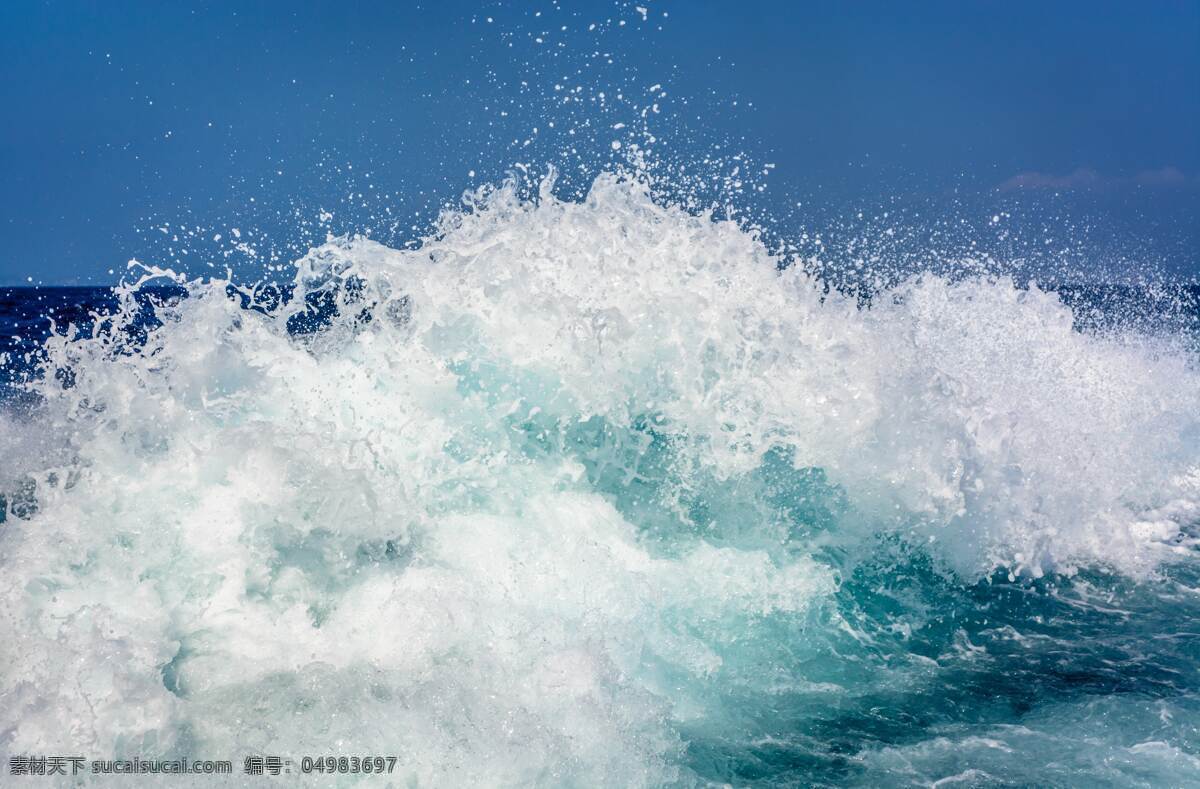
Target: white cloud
{"x": 1164, "y": 176}
{"x": 1082, "y": 178}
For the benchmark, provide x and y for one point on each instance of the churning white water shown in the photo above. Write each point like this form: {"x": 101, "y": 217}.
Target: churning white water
{"x": 573, "y": 493}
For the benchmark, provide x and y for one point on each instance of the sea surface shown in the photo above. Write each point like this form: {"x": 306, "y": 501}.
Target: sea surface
{"x": 602, "y": 493}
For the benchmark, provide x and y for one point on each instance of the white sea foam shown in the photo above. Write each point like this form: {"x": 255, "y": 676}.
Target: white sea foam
{"x": 383, "y": 536}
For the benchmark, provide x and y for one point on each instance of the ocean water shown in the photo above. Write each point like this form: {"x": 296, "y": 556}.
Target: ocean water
{"x": 599, "y": 492}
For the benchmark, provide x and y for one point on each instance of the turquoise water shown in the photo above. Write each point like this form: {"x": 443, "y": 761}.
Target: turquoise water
{"x": 595, "y": 493}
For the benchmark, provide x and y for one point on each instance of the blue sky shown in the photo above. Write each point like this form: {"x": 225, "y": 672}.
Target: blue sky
{"x": 149, "y": 129}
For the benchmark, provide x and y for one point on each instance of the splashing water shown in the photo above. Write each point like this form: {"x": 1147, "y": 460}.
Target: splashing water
{"x": 599, "y": 493}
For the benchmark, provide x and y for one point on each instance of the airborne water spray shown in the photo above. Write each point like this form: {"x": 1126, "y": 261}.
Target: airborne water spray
{"x": 592, "y": 493}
